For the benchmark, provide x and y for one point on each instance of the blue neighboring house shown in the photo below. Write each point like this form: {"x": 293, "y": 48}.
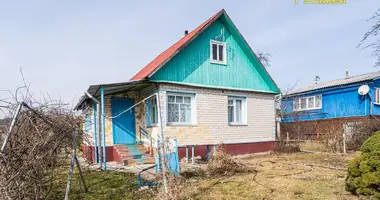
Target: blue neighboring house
{"x": 337, "y": 100}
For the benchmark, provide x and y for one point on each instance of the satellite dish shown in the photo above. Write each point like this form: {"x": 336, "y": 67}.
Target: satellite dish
{"x": 363, "y": 90}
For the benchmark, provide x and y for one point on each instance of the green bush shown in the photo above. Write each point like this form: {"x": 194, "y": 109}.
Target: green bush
{"x": 364, "y": 171}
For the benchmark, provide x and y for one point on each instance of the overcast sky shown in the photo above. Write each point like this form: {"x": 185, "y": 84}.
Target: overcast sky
{"x": 64, "y": 46}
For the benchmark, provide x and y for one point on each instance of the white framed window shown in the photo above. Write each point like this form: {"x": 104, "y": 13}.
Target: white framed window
{"x": 377, "y": 96}
{"x": 181, "y": 109}
{"x": 237, "y": 110}
{"x": 307, "y": 103}
{"x": 218, "y": 52}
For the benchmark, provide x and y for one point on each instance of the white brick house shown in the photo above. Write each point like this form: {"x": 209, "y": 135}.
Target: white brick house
{"x": 208, "y": 88}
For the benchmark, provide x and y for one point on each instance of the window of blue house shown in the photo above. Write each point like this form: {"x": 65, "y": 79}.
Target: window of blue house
{"x": 377, "y": 96}
{"x": 307, "y": 103}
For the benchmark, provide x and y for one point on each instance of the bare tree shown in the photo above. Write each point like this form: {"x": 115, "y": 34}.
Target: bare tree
{"x": 264, "y": 58}
{"x": 373, "y": 33}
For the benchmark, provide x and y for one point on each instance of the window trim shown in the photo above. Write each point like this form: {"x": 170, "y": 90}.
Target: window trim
{"x": 307, "y": 103}
{"x": 151, "y": 111}
{"x": 243, "y": 111}
{"x": 193, "y": 119}
{"x": 218, "y": 43}
{"x": 377, "y": 96}
{"x": 148, "y": 112}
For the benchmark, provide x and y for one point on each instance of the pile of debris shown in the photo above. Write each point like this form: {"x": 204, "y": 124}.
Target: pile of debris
{"x": 37, "y": 146}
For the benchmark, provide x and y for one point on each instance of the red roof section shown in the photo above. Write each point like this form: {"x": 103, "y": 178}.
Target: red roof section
{"x": 171, "y": 51}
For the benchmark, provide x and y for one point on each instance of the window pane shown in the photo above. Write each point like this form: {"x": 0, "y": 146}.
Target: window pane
{"x": 377, "y": 91}
{"x": 154, "y": 114}
{"x": 296, "y": 104}
{"x": 230, "y": 102}
{"x": 221, "y": 47}
{"x": 171, "y": 98}
{"x": 318, "y": 101}
{"x": 154, "y": 101}
{"x": 303, "y": 103}
{"x": 173, "y": 112}
{"x": 310, "y": 102}
{"x": 185, "y": 112}
{"x": 179, "y": 99}
{"x": 238, "y": 110}
{"x": 230, "y": 113}
{"x": 214, "y": 52}
{"x": 187, "y": 99}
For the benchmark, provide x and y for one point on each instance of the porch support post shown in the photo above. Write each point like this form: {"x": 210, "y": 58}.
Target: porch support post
{"x": 100, "y": 151}
{"x": 98, "y": 128}
{"x": 207, "y": 152}
{"x": 187, "y": 153}
{"x": 192, "y": 154}
{"x": 95, "y": 139}
{"x": 103, "y": 128}
{"x": 177, "y": 157}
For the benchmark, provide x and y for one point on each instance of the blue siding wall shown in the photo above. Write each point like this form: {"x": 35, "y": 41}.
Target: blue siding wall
{"x": 336, "y": 103}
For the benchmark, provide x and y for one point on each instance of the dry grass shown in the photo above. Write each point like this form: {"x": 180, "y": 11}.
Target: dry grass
{"x": 280, "y": 176}
{"x": 313, "y": 146}
{"x": 277, "y": 180}
{"x": 101, "y": 185}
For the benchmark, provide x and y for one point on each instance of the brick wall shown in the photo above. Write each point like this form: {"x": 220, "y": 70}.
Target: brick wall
{"x": 212, "y": 117}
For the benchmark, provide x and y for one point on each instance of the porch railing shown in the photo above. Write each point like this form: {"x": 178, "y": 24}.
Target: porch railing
{"x": 144, "y": 133}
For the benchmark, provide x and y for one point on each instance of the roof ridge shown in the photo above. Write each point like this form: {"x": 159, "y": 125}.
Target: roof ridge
{"x": 344, "y": 81}
{"x": 163, "y": 57}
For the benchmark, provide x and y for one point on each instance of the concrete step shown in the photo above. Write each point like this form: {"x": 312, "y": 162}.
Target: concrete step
{"x": 129, "y": 152}
{"x": 134, "y": 154}
{"x": 127, "y": 157}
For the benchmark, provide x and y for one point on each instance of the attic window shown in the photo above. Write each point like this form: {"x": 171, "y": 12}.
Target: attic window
{"x": 218, "y": 53}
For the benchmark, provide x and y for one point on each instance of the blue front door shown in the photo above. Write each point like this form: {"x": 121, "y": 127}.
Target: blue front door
{"x": 123, "y": 126}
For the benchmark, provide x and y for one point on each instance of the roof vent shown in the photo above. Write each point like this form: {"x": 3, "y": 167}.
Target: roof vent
{"x": 347, "y": 74}
{"x": 186, "y": 32}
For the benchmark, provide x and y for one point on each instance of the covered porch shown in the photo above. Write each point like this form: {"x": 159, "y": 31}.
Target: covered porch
{"x": 118, "y": 122}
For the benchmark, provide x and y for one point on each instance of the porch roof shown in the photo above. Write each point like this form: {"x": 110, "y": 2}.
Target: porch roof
{"x": 110, "y": 88}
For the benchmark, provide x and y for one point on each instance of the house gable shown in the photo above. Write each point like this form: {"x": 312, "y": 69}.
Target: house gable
{"x": 190, "y": 63}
